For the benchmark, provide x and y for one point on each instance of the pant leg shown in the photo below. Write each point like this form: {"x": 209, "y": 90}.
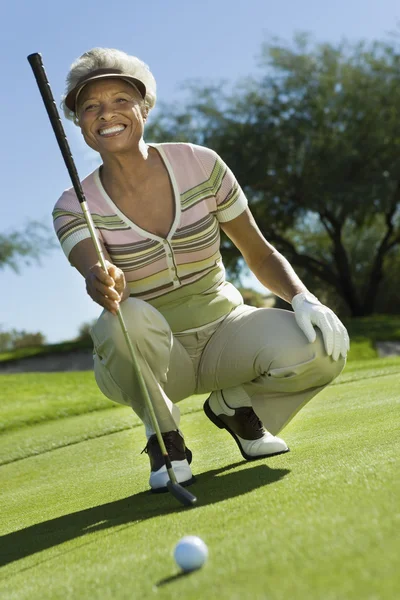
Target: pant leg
{"x": 263, "y": 354}
{"x": 159, "y": 355}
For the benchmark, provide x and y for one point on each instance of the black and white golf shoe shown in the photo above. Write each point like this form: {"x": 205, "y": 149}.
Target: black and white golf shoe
{"x": 180, "y": 457}
{"x": 253, "y": 440}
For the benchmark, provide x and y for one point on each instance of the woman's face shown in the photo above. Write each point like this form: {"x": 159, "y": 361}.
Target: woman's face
{"x": 110, "y": 113}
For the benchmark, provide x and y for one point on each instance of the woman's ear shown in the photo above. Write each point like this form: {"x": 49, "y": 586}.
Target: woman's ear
{"x": 145, "y": 112}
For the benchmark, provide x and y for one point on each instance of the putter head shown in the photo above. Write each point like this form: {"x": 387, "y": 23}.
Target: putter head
{"x": 181, "y": 494}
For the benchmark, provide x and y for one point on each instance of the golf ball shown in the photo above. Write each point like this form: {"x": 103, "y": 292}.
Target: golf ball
{"x": 190, "y": 553}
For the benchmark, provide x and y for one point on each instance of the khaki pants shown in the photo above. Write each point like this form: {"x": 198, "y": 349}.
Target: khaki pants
{"x": 257, "y": 353}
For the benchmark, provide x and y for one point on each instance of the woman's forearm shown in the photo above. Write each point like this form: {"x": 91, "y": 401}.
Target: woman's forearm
{"x": 277, "y": 274}
{"x": 268, "y": 265}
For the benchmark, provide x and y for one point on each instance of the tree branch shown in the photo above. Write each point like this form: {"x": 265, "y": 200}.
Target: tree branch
{"x": 345, "y": 284}
{"x": 376, "y": 274}
{"x": 315, "y": 266}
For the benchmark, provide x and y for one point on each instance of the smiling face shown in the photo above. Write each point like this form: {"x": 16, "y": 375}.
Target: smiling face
{"x": 111, "y": 116}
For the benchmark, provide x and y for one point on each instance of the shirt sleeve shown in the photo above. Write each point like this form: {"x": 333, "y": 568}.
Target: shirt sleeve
{"x": 69, "y": 222}
{"x": 231, "y": 200}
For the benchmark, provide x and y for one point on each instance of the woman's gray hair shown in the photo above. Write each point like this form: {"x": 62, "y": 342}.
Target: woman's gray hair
{"x": 109, "y": 58}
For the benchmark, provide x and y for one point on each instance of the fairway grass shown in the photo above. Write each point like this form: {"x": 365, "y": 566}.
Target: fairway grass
{"x": 318, "y": 523}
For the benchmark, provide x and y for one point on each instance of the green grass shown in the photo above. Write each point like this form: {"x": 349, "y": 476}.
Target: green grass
{"x": 36, "y": 397}
{"x": 319, "y": 523}
{"x": 365, "y": 332}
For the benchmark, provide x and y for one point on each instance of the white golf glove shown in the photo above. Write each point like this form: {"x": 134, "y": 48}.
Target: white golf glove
{"x": 309, "y": 311}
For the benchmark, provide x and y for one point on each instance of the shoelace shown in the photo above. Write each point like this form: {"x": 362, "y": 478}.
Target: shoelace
{"x": 167, "y": 441}
{"x": 146, "y": 448}
{"x": 253, "y": 418}
{"x": 168, "y": 444}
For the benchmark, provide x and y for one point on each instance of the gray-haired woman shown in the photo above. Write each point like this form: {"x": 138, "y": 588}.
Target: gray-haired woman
{"x": 158, "y": 210}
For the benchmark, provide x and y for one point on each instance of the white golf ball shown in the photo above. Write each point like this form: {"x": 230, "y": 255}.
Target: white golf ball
{"x": 190, "y": 553}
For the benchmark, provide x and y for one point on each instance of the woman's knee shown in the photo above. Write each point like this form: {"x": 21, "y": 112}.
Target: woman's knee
{"x": 331, "y": 368}
{"x": 305, "y": 367}
{"x": 143, "y": 322}
{"x": 140, "y": 318}
{"x": 323, "y": 369}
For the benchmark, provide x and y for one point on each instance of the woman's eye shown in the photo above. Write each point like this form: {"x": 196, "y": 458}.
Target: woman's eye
{"x": 122, "y": 100}
{"x": 90, "y": 107}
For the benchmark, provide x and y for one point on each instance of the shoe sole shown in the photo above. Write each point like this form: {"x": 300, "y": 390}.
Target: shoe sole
{"x": 162, "y": 490}
{"x": 217, "y": 421}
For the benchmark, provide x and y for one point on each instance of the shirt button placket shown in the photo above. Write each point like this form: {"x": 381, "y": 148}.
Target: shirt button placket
{"x": 171, "y": 265}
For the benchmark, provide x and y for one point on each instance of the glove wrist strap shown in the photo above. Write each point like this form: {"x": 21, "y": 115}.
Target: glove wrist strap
{"x": 304, "y": 296}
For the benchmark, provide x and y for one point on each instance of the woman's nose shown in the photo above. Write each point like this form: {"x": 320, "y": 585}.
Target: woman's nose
{"x": 106, "y": 112}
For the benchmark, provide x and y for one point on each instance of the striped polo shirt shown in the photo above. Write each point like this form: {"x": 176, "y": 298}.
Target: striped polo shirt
{"x": 182, "y": 275}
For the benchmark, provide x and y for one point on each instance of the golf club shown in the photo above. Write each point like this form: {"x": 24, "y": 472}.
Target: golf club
{"x": 35, "y": 60}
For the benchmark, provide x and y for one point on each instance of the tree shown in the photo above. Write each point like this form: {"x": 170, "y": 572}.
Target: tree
{"x": 315, "y": 143}
{"x": 14, "y": 339}
{"x": 29, "y": 245}
{"x": 84, "y": 331}
{"x": 253, "y": 298}
{"x": 5, "y": 341}
{"x": 24, "y": 339}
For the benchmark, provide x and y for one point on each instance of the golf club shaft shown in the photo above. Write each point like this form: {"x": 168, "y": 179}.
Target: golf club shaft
{"x": 35, "y": 60}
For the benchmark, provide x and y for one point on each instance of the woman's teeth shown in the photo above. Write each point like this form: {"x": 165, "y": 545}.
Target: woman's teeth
{"x": 110, "y": 130}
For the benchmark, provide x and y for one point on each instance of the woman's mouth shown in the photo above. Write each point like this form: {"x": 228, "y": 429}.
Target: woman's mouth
{"x": 111, "y": 131}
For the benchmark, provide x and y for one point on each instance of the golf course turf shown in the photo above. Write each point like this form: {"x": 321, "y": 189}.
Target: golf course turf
{"x": 319, "y": 523}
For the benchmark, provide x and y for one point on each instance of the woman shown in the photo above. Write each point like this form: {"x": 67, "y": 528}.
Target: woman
{"x": 158, "y": 210}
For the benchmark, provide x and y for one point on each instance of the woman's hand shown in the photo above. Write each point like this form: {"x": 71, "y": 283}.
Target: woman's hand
{"x": 108, "y": 290}
{"x": 309, "y": 311}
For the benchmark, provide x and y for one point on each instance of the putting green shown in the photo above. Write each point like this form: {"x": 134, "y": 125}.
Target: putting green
{"x": 319, "y": 523}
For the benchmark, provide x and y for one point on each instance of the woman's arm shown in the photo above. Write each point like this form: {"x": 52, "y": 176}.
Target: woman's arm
{"x": 108, "y": 290}
{"x": 268, "y": 265}
{"x": 276, "y": 273}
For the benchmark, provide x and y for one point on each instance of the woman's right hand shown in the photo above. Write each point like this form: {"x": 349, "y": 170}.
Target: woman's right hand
{"x": 107, "y": 289}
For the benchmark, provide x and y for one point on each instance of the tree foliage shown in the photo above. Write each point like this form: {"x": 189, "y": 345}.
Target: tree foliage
{"x": 26, "y": 246}
{"x": 14, "y": 339}
{"x": 314, "y": 141}
{"x": 84, "y": 331}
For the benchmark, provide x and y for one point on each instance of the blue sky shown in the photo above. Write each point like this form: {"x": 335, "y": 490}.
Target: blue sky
{"x": 180, "y": 40}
